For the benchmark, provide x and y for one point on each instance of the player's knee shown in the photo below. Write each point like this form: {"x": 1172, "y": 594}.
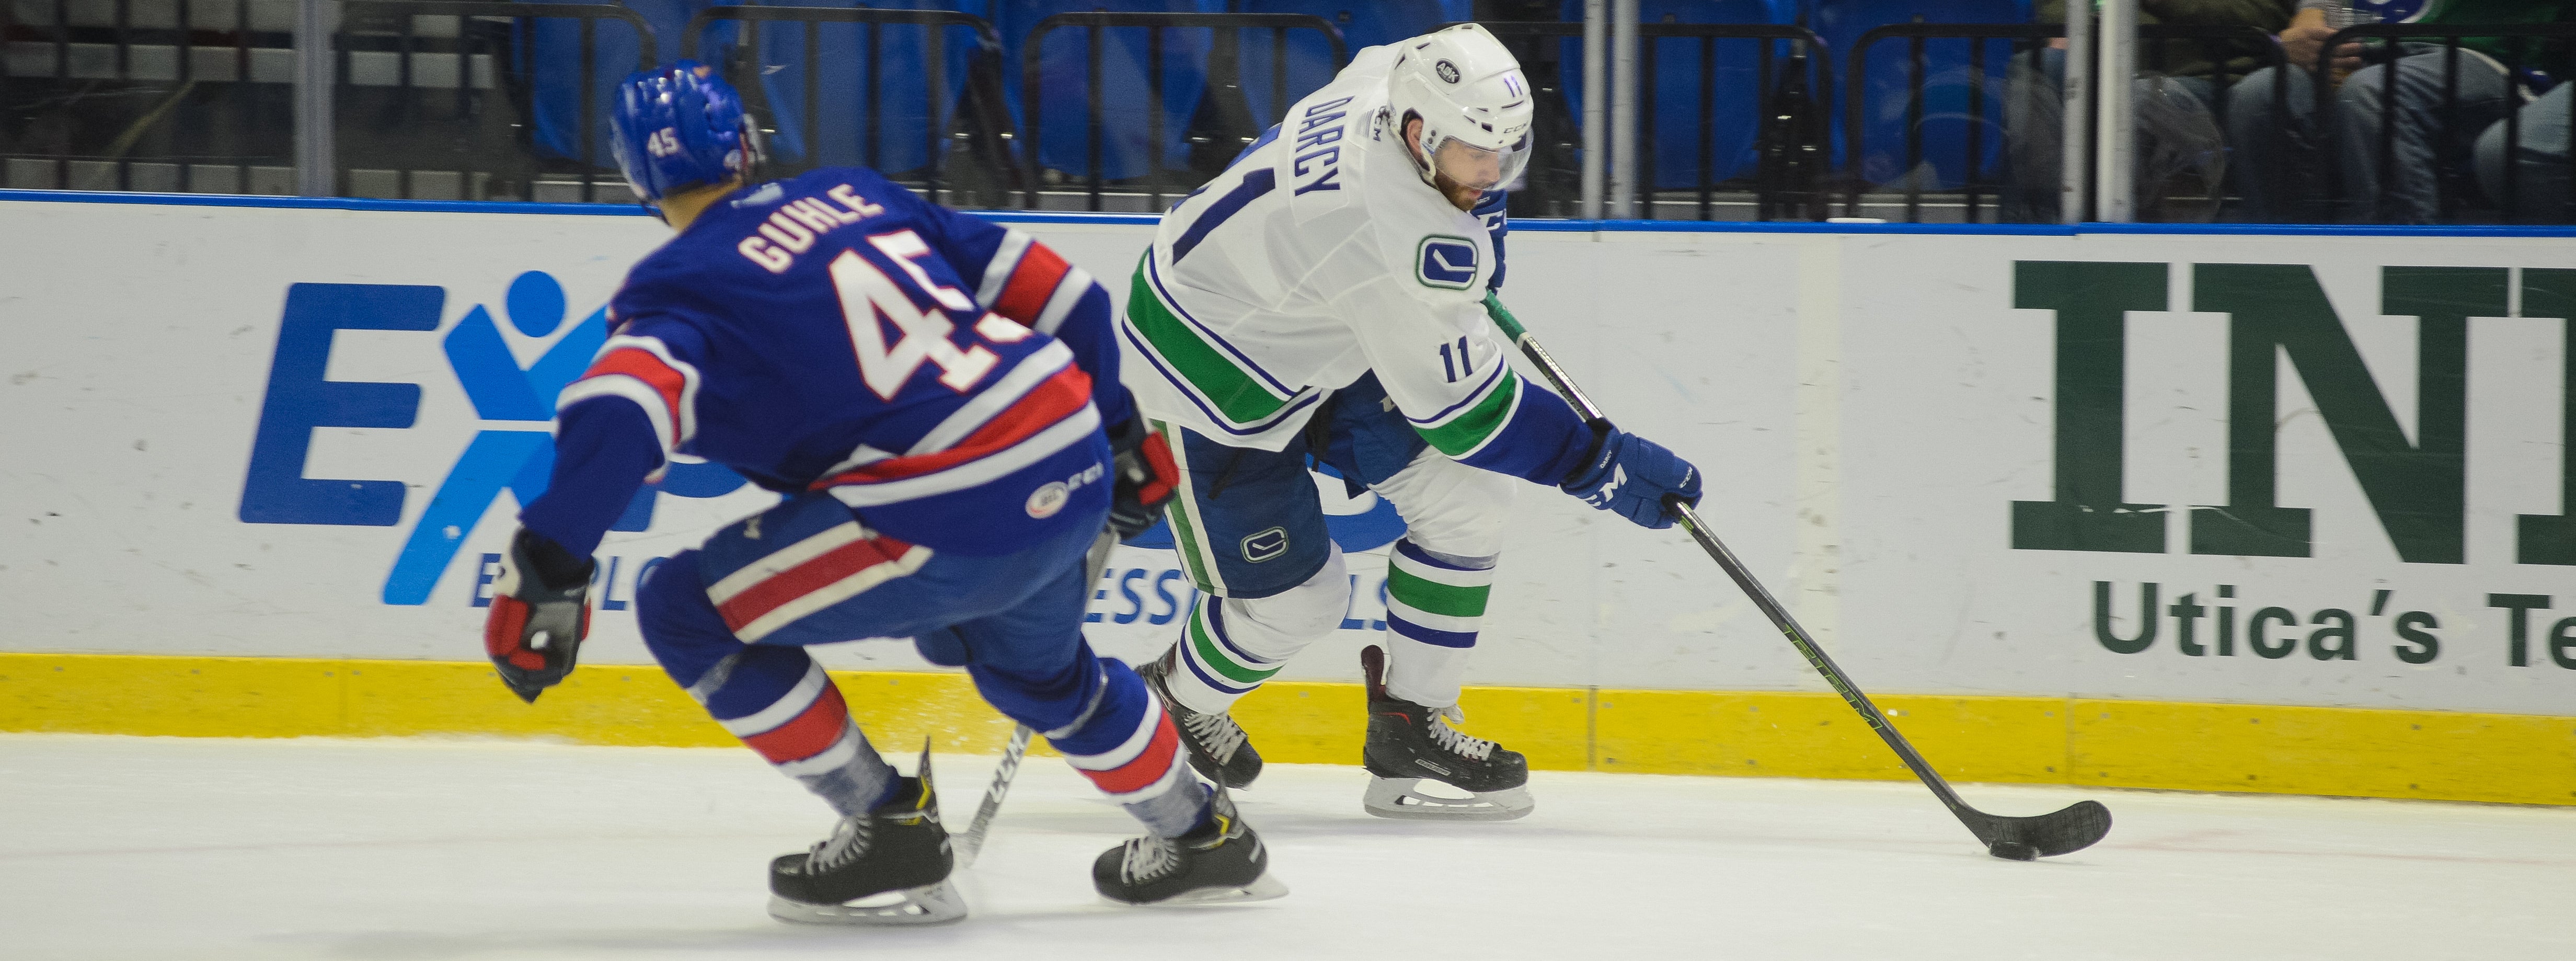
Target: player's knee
{"x": 679, "y": 624}
{"x": 1302, "y": 612}
{"x": 1047, "y": 696}
{"x": 1109, "y": 714}
{"x": 1464, "y": 519}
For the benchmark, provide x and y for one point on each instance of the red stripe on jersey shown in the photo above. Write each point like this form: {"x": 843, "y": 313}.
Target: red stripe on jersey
{"x": 1052, "y": 400}
{"x": 640, "y": 364}
{"x": 825, "y": 570}
{"x": 1148, "y": 767}
{"x": 810, "y": 733}
{"x": 1031, "y": 284}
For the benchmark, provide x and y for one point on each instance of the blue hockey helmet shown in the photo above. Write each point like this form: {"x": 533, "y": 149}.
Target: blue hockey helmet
{"x": 679, "y": 127}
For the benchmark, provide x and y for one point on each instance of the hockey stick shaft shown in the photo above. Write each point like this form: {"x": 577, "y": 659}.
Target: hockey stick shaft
{"x": 1735, "y": 570}
{"x": 971, "y": 843}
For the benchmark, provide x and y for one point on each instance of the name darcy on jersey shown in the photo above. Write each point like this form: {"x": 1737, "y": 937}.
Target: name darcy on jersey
{"x": 1318, "y": 136}
{"x": 792, "y": 228}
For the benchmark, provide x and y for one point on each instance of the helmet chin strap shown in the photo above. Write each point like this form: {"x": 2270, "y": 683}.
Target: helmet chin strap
{"x": 1413, "y": 151}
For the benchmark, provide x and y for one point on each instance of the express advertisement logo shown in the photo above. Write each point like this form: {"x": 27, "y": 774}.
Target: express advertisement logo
{"x": 510, "y": 450}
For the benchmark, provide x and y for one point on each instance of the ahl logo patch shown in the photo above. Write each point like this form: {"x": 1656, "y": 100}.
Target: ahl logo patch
{"x": 1448, "y": 71}
{"x": 1045, "y": 501}
{"x": 1447, "y": 262}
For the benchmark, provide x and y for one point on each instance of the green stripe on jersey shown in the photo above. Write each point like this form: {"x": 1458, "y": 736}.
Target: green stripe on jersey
{"x": 1217, "y": 658}
{"x": 1433, "y": 597}
{"x": 1185, "y": 531}
{"x": 1479, "y": 423}
{"x": 1234, "y": 392}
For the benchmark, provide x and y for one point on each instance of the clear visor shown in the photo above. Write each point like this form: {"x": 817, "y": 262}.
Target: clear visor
{"x": 1479, "y": 168}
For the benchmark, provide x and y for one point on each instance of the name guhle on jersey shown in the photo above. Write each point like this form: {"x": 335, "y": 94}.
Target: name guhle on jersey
{"x": 792, "y": 229}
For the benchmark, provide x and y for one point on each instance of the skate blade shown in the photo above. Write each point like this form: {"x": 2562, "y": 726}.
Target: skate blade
{"x": 1267, "y": 887}
{"x": 929, "y": 904}
{"x": 1397, "y": 798}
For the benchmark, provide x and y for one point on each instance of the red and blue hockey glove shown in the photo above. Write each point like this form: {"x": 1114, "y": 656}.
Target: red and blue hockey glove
{"x": 540, "y": 613}
{"x": 1631, "y": 475}
{"x": 1147, "y": 477}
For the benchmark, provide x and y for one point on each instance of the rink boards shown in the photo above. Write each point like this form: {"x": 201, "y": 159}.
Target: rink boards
{"x": 265, "y": 454}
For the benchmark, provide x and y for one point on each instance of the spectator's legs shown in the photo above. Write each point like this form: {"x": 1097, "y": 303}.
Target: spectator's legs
{"x": 2427, "y": 133}
{"x": 2272, "y": 130}
{"x": 2035, "y": 135}
{"x": 2540, "y": 186}
{"x": 2169, "y": 141}
{"x": 2177, "y": 133}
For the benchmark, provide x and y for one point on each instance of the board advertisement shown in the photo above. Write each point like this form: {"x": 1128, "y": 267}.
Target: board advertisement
{"x": 2267, "y": 469}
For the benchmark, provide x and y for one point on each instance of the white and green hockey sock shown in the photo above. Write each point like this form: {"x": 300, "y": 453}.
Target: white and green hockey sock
{"x": 1434, "y": 604}
{"x": 1231, "y": 645}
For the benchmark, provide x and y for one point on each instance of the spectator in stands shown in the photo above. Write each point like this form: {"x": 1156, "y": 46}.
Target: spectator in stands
{"x": 2176, "y": 90}
{"x": 2540, "y": 187}
{"x": 2281, "y": 154}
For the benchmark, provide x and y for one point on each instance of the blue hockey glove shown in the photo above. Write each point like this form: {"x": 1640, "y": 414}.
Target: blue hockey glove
{"x": 1630, "y": 475}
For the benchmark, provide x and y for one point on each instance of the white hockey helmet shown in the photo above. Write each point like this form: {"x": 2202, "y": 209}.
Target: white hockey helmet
{"x": 1474, "y": 104}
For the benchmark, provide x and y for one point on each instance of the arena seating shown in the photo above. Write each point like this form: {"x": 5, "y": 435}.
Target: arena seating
{"x": 1945, "y": 86}
{"x": 1310, "y": 65}
{"x": 1677, "y": 126}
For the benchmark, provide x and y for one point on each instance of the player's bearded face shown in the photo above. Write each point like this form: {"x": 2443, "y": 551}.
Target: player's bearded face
{"x": 1465, "y": 172}
{"x": 1461, "y": 172}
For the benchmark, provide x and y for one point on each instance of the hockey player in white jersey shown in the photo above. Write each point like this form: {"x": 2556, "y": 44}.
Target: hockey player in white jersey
{"x": 1323, "y": 298}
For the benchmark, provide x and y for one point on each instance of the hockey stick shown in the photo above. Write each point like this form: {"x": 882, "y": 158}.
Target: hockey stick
{"x": 971, "y": 843}
{"x": 2074, "y": 828}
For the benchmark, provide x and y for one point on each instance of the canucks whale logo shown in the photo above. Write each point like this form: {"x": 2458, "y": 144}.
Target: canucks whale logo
{"x": 1447, "y": 262}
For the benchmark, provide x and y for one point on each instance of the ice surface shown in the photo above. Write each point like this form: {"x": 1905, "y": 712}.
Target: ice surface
{"x": 210, "y": 849}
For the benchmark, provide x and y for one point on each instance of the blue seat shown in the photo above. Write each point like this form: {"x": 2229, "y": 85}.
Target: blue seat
{"x": 900, "y": 117}
{"x": 551, "y": 47}
{"x": 1125, "y": 133}
{"x": 1946, "y": 78}
{"x": 1678, "y": 126}
{"x": 1310, "y": 58}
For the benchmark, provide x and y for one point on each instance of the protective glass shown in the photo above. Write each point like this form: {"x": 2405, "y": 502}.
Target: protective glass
{"x": 1479, "y": 168}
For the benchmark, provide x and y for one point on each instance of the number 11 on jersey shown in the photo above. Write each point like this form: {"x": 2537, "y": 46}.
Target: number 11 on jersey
{"x": 1462, "y": 366}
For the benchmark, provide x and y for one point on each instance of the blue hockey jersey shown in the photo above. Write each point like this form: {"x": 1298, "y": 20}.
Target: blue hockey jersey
{"x": 945, "y": 377}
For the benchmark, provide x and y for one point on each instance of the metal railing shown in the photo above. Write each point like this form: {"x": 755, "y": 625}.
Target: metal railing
{"x": 988, "y": 123}
{"x": 192, "y": 95}
{"x": 1708, "y": 184}
{"x": 2446, "y": 182}
{"x": 1032, "y": 89}
{"x": 421, "y": 79}
{"x": 1979, "y": 181}
{"x": 2026, "y": 40}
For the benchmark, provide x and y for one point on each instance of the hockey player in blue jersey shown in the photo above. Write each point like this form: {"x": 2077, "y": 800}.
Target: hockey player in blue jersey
{"x": 928, "y": 392}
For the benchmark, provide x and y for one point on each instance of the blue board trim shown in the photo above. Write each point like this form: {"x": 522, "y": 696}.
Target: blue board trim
{"x": 1530, "y": 225}
{"x": 323, "y": 203}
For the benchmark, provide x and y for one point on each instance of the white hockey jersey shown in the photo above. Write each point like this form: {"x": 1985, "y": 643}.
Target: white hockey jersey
{"x": 1321, "y": 256}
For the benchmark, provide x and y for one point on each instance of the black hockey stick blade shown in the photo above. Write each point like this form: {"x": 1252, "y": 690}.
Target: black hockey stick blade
{"x": 2072, "y": 828}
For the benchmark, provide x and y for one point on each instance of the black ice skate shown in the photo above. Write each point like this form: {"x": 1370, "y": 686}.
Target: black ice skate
{"x": 1409, "y": 743}
{"x": 1218, "y": 749}
{"x": 1221, "y": 860}
{"x": 886, "y": 867}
